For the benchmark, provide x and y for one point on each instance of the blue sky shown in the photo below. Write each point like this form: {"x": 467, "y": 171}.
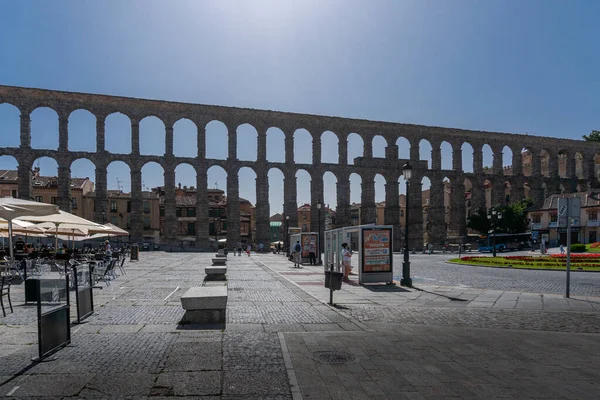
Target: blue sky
{"x": 513, "y": 66}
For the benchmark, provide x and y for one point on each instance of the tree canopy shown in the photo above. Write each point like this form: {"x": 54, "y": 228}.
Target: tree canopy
{"x": 592, "y": 137}
{"x": 514, "y": 219}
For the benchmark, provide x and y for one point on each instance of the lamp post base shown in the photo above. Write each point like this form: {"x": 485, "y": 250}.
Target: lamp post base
{"x": 406, "y": 280}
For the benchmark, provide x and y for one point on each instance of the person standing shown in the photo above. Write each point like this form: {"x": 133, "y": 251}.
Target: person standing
{"x": 249, "y": 249}
{"x": 311, "y": 254}
{"x": 346, "y": 261}
{"x": 297, "y": 254}
{"x": 261, "y": 247}
{"x": 278, "y": 247}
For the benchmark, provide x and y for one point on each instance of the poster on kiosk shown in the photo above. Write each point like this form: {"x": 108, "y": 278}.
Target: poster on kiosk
{"x": 376, "y": 264}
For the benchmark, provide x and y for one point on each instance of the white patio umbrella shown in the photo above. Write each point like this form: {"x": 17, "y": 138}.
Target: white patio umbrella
{"x": 108, "y": 230}
{"x": 11, "y": 209}
{"x": 65, "y": 223}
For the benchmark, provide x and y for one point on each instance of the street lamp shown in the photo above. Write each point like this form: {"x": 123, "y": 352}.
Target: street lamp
{"x": 319, "y": 205}
{"x": 287, "y": 236}
{"x": 495, "y": 216}
{"x": 103, "y": 216}
{"x": 406, "y": 280}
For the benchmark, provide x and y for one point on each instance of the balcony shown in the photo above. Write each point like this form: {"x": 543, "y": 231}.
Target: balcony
{"x": 553, "y": 224}
{"x": 593, "y": 222}
{"x": 536, "y": 226}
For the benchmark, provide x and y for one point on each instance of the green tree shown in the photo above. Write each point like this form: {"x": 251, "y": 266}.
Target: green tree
{"x": 592, "y": 137}
{"x": 514, "y": 218}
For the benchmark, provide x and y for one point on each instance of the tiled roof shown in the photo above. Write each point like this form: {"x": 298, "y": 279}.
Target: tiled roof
{"x": 551, "y": 203}
{"x": 8, "y": 175}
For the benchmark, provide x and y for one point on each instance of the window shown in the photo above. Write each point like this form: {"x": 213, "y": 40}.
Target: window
{"x": 146, "y": 207}
{"x": 129, "y": 206}
{"x": 191, "y": 228}
{"x": 113, "y": 206}
{"x": 114, "y": 220}
{"x": 146, "y": 223}
{"x": 402, "y": 213}
{"x": 593, "y": 215}
{"x": 129, "y": 222}
{"x": 39, "y": 199}
{"x": 14, "y": 194}
{"x": 54, "y": 200}
{"x": 178, "y": 212}
{"x": 553, "y": 217}
{"x": 73, "y": 203}
{"x": 191, "y": 212}
{"x": 304, "y": 228}
{"x": 304, "y": 217}
{"x": 211, "y": 228}
{"x": 537, "y": 218}
{"x": 162, "y": 211}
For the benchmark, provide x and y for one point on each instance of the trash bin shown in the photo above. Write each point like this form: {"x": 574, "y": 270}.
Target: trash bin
{"x": 135, "y": 252}
{"x": 333, "y": 280}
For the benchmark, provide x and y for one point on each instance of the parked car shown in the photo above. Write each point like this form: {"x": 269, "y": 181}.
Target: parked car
{"x": 145, "y": 246}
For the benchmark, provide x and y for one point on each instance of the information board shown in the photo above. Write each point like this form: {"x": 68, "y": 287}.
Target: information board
{"x": 376, "y": 250}
{"x": 307, "y": 239}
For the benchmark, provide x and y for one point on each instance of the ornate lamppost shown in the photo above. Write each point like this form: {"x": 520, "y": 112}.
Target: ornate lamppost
{"x": 406, "y": 280}
{"x": 495, "y": 217}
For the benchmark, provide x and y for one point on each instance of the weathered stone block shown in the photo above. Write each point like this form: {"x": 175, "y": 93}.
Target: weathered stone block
{"x": 205, "y": 298}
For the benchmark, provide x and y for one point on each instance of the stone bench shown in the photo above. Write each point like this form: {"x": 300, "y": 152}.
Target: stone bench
{"x": 220, "y": 255}
{"x": 219, "y": 261}
{"x": 204, "y": 305}
{"x": 215, "y": 273}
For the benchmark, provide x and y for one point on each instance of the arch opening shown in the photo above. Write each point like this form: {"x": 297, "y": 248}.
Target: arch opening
{"x": 82, "y": 131}
{"x": 303, "y": 149}
{"x": 275, "y": 145}
{"x": 330, "y": 150}
{"x": 378, "y": 144}
{"x": 425, "y": 152}
{"x": 152, "y": 136}
{"x": 217, "y": 140}
{"x": 44, "y": 129}
{"x": 10, "y": 121}
{"x": 117, "y": 133}
{"x": 247, "y": 143}
{"x": 447, "y": 155}
{"x": 356, "y": 147}
{"x": 185, "y": 138}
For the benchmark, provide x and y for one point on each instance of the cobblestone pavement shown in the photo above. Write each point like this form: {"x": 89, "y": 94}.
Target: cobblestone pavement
{"x": 440, "y": 341}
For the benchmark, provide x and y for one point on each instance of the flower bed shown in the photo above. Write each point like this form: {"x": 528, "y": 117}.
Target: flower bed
{"x": 555, "y": 261}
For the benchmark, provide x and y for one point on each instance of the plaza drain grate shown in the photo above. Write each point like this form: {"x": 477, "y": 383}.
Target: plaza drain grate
{"x": 333, "y": 357}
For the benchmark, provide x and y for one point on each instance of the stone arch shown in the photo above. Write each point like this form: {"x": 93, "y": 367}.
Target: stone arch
{"x": 507, "y": 161}
{"x": 44, "y": 129}
{"x": 217, "y": 179}
{"x": 303, "y": 186}
{"x": 507, "y": 192}
{"x": 117, "y": 133}
{"x": 9, "y": 167}
{"x": 356, "y": 146}
{"x": 425, "y": 151}
{"x": 276, "y": 178}
{"x": 10, "y": 121}
{"x": 247, "y": 142}
{"x": 247, "y": 184}
{"x": 467, "y": 158}
{"x": 378, "y": 145}
{"x": 487, "y": 157}
{"x": 118, "y": 176}
{"x": 564, "y": 157}
{"x": 217, "y": 140}
{"x": 489, "y": 193}
{"x": 45, "y": 166}
{"x": 579, "y": 160}
{"x": 82, "y": 131}
{"x": 185, "y": 138}
{"x": 597, "y": 166}
{"x": 380, "y": 182}
{"x": 527, "y": 161}
{"x": 447, "y": 154}
{"x": 403, "y": 148}
{"x": 545, "y": 162}
{"x": 470, "y": 207}
{"x": 303, "y": 149}
{"x": 330, "y": 190}
{"x": 83, "y": 167}
{"x": 275, "y": 145}
{"x": 447, "y": 184}
{"x": 153, "y": 176}
{"x": 330, "y": 143}
{"x": 185, "y": 175}
{"x": 355, "y": 197}
{"x": 152, "y": 136}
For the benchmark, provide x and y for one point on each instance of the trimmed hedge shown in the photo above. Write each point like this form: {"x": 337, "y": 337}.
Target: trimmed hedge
{"x": 578, "y": 248}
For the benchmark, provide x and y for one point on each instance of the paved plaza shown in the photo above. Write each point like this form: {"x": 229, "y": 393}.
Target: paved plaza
{"x": 440, "y": 339}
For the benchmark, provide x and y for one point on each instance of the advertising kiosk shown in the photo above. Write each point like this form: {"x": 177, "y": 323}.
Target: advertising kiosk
{"x": 373, "y": 243}
{"x": 305, "y": 238}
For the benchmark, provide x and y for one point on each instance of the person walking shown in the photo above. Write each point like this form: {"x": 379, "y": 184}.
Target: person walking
{"x": 346, "y": 261}
{"x": 311, "y": 254}
{"x": 562, "y": 249}
{"x": 297, "y": 254}
{"x": 261, "y": 247}
{"x": 249, "y": 249}
{"x": 278, "y": 247}
{"x": 239, "y": 249}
